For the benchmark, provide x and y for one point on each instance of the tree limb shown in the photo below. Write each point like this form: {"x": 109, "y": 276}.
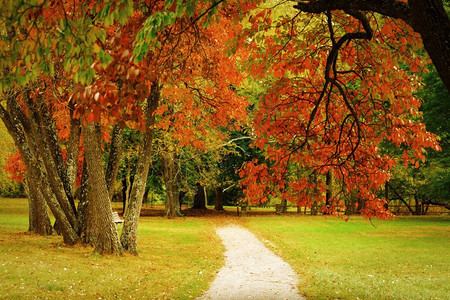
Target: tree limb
{"x": 390, "y": 8}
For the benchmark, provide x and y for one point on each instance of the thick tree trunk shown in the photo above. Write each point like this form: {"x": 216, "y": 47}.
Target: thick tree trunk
{"x": 128, "y": 237}
{"x": 429, "y": 19}
{"x": 39, "y": 220}
{"x": 40, "y": 134}
{"x": 170, "y": 177}
{"x": 83, "y": 203}
{"x": 101, "y": 230}
{"x": 48, "y": 126}
{"x": 218, "y": 202}
{"x": 199, "y": 198}
{"x": 114, "y": 159}
{"x": 31, "y": 212}
{"x": 17, "y": 124}
{"x": 73, "y": 150}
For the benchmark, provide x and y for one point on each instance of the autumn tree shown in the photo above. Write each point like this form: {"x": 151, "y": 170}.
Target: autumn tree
{"x": 108, "y": 63}
{"x": 338, "y": 88}
{"x": 11, "y": 171}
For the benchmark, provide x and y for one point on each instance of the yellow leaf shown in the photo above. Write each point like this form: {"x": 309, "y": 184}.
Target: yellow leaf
{"x": 96, "y": 48}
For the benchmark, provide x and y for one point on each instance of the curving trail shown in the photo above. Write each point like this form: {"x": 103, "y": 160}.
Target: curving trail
{"x": 251, "y": 270}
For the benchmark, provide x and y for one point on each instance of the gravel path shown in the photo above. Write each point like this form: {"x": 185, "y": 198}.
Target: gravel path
{"x": 251, "y": 270}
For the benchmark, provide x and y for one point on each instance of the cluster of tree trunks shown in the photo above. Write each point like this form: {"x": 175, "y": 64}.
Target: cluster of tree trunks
{"x": 50, "y": 181}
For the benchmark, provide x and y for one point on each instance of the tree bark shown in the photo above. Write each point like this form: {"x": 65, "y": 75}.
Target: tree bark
{"x": 218, "y": 202}
{"x": 39, "y": 220}
{"x": 329, "y": 192}
{"x": 51, "y": 140}
{"x": 426, "y": 17}
{"x": 418, "y": 208}
{"x": 171, "y": 182}
{"x": 73, "y": 150}
{"x": 127, "y": 183}
{"x": 114, "y": 159}
{"x": 386, "y": 194}
{"x": 314, "y": 193}
{"x": 17, "y": 124}
{"x": 199, "y": 198}
{"x": 101, "y": 230}
{"x": 128, "y": 237}
{"x": 429, "y": 19}
{"x": 40, "y": 132}
{"x": 82, "y": 203}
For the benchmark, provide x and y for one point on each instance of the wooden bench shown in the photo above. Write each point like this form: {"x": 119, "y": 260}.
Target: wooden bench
{"x": 116, "y": 218}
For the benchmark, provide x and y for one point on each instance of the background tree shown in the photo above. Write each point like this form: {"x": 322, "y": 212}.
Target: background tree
{"x": 427, "y": 183}
{"x": 11, "y": 174}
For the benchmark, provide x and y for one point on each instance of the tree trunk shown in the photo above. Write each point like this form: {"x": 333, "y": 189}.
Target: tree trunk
{"x": 73, "y": 150}
{"x": 314, "y": 208}
{"x": 218, "y": 203}
{"x": 101, "y": 230}
{"x": 181, "y": 196}
{"x": 17, "y": 124}
{"x": 124, "y": 194}
{"x": 39, "y": 220}
{"x": 430, "y": 20}
{"x": 386, "y": 195}
{"x": 329, "y": 192}
{"x": 199, "y": 198}
{"x": 114, "y": 159}
{"x": 284, "y": 205}
{"x": 128, "y": 237}
{"x": 314, "y": 193}
{"x": 127, "y": 188}
{"x": 170, "y": 177}
{"x": 31, "y": 212}
{"x": 48, "y": 126}
{"x": 40, "y": 134}
{"x": 82, "y": 203}
{"x": 417, "y": 206}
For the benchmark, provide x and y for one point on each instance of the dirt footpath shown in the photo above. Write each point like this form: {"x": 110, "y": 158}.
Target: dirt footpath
{"x": 251, "y": 270}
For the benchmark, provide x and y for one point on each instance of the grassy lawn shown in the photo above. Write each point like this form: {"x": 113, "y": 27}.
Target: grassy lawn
{"x": 177, "y": 259}
{"x": 407, "y": 258}
{"x": 402, "y": 259}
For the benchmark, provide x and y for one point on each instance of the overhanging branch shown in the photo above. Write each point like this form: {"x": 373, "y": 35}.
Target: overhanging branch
{"x": 390, "y": 8}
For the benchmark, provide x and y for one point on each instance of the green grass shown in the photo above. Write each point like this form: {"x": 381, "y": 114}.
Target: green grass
{"x": 177, "y": 260}
{"x": 402, "y": 259}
